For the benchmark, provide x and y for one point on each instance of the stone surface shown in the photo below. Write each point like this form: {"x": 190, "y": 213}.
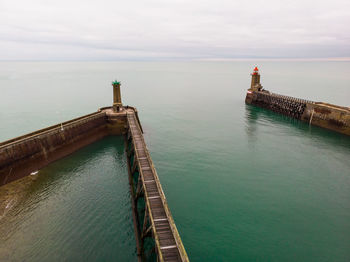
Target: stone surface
{"x": 26, "y": 154}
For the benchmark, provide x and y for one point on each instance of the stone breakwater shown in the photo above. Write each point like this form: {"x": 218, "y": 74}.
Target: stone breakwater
{"x": 26, "y": 154}
{"x": 321, "y": 114}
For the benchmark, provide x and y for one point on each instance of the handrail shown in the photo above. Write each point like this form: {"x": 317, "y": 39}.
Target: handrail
{"x": 173, "y": 228}
{"x": 50, "y": 129}
{"x": 333, "y": 106}
{"x": 137, "y": 116}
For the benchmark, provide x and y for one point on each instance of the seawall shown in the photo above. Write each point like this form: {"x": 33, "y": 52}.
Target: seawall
{"x": 321, "y": 114}
{"x": 328, "y": 116}
{"x": 25, "y": 154}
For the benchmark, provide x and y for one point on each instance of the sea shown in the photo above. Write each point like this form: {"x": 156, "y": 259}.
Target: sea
{"x": 242, "y": 183}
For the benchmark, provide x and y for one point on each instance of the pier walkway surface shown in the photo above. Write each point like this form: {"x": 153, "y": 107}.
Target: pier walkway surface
{"x": 156, "y": 234}
{"x": 157, "y": 221}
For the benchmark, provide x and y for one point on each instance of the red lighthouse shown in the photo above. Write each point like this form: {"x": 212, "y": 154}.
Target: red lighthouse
{"x": 255, "y": 85}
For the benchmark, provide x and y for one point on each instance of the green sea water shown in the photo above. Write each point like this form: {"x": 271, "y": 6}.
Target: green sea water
{"x": 243, "y": 183}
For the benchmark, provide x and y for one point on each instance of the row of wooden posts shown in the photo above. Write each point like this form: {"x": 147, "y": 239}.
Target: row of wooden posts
{"x": 290, "y": 106}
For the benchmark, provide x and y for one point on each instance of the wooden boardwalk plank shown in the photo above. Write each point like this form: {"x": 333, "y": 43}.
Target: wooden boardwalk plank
{"x": 168, "y": 242}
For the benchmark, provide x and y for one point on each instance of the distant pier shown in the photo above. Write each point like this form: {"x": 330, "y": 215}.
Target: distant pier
{"x": 333, "y": 117}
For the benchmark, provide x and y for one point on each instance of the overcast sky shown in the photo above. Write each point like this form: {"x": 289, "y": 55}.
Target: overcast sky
{"x": 173, "y": 29}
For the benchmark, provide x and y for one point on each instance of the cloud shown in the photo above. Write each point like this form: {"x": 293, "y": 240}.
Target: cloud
{"x": 163, "y": 29}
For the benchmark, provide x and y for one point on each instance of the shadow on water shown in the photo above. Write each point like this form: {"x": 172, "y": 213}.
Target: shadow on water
{"x": 24, "y": 195}
{"x": 256, "y": 117}
{"x": 75, "y": 209}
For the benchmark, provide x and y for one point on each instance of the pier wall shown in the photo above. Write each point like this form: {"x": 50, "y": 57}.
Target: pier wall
{"x": 325, "y": 115}
{"x": 285, "y": 105}
{"x": 25, "y": 154}
{"x": 328, "y": 116}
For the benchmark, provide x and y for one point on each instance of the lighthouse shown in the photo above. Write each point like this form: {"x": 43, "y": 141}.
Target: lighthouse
{"x": 117, "y": 99}
{"x": 255, "y": 85}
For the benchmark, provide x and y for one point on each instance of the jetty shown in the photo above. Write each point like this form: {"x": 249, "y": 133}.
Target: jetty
{"x": 144, "y": 182}
{"x": 332, "y": 117}
{"x": 157, "y": 238}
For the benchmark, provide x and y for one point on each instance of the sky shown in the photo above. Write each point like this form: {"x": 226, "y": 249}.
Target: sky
{"x": 173, "y": 29}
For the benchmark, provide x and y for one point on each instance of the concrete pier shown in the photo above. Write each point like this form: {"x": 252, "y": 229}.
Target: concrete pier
{"x": 28, "y": 153}
{"x": 320, "y": 114}
{"x": 155, "y": 229}
{"x": 153, "y": 221}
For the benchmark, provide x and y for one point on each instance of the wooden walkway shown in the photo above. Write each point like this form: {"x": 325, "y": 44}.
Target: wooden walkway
{"x": 158, "y": 222}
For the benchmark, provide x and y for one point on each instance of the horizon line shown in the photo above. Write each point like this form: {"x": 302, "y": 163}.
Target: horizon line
{"x": 318, "y": 59}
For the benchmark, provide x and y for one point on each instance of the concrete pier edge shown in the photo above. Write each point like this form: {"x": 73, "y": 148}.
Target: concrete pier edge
{"x": 325, "y": 115}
